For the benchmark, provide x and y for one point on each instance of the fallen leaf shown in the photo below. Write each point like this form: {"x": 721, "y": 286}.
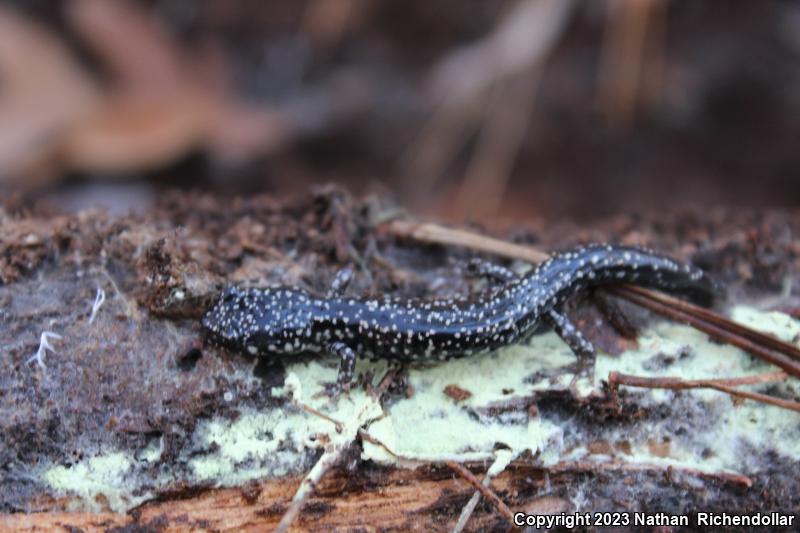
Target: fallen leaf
{"x": 43, "y": 91}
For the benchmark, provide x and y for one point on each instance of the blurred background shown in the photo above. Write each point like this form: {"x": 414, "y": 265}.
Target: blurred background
{"x": 517, "y": 109}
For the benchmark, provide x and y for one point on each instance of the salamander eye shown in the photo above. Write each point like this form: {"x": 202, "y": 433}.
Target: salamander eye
{"x": 230, "y": 295}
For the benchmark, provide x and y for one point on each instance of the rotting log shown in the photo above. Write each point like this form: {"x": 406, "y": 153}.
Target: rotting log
{"x": 421, "y": 499}
{"x": 427, "y": 498}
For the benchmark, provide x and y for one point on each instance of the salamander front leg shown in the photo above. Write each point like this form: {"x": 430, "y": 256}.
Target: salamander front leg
{"x": 570, "y": 334}
{"x": 347, "y": 366}
{"x": 340, "y": 282}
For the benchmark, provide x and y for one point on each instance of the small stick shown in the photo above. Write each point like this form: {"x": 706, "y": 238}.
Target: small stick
{"x": 329, "y": 458}
{"x": 468, "y": 509}
{"x": 364, "y": 434}
{"x": 756, "y": 336}
{"x": 338, "y": 425}
{"x": 487, "y": 493}
{"x": 383, "y": 384}
{"x": 723, "y": 385}
{"x": 499, "y": 464}
{"x": 333, "y": 452}
{"x": 376, "y": 394}
{"x": 437, "y": 234}
{"x": 758, "y": 397}
{"x": 615, "y": 378}
{"x": 716, "y": 330}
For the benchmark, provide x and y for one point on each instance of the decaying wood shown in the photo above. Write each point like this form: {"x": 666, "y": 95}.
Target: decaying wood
{"x": 427, "y": 498}
{"x": 423, "y": 499}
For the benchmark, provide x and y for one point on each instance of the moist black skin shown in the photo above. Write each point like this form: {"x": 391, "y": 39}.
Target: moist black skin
{"x": 286, "y": 321}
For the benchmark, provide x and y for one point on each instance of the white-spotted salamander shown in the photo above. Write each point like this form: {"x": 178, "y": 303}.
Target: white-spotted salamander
{"x": 283, "y": 320}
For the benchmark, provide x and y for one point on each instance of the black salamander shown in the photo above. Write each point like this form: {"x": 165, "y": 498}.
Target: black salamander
{"x": 281, "y": 320}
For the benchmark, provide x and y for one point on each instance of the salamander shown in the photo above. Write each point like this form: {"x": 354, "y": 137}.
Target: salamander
{"x": 286, "y": 321}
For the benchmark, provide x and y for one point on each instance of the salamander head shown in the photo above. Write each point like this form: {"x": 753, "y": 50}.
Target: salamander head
{"x": 260, "y": 320}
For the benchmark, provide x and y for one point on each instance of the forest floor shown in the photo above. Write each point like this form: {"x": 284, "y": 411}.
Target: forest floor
{"x": 128, "y": 393}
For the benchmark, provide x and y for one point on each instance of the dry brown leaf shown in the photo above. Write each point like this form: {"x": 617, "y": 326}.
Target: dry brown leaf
{"x": 326, "y": 22}
{"x": 164, "y": 103}
{"x": 159, "y": 104}
{"x": 130, "y": 134}
{"x": 43, "y": 91}
{"x": 138, "y": 52}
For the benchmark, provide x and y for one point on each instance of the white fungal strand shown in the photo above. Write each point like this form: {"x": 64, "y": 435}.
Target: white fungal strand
{"x": 44, "y": 346}
{"x": 99, "y": 299}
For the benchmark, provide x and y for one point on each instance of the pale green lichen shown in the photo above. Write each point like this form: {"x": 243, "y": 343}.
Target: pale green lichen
{"x": 276, "y": 442}
{"x": 773, "y": 322}
{"x": 432, "y": 426}
{"x": 727, "y": 434}
{"x": 105, "y": 475}
{"x": 153, "y": 451}
{"x": 690, "y": 354}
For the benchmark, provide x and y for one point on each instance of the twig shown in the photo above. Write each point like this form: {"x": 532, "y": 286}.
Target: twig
{"x": 756, "y": 336}
{"x": 758, "y": 397}
{"x": 338, "y": 425}
{"x": 723, "y": 385}
{"x": 332, "y": 454}
{"x": 434, "y": 233}
{"x": 615, "y": 378}
{"x": 364, "y": 434}
{"x": 468, "y": 509}
{"x": 502, "y": 460}
{"x": 721, "y": 329}
{"x": 383, "y": 384}
{"x": 487, "y": 493}
{"x": 329, "y": 458}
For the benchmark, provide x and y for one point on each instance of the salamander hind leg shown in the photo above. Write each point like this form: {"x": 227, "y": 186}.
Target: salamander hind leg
{"x": 579, "y": 345}
{"x": 570, "y": 334}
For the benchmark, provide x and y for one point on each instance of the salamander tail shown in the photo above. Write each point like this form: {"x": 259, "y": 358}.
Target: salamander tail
{"x": 597, "y": 265}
